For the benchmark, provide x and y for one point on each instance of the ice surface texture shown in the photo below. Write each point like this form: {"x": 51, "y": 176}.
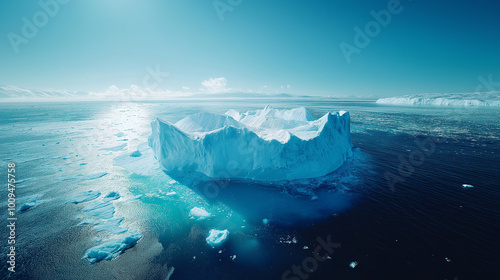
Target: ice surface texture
{"x": 217, "y": 237}
{"x": 489, "y": 99}
{"x": 111, "y": 249}
{"x": 262, "y": 145}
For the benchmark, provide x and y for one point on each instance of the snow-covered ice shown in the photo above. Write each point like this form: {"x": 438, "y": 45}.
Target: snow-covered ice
{"x": 199, "y": 213}
{"x": 217, "y": 237}
{"x": 111, "y": 196}
{"x": 103, "y": 209}
{"x": 489, "y": 99}
{"x": 111, "y": 249}
{"x": 263, "y": 145}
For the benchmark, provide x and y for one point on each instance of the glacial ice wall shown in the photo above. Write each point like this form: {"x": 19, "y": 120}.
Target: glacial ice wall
{"x": 488, "y": 99}
{"x": 262, "y": 145}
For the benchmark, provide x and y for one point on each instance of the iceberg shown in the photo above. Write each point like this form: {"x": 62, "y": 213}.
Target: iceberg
{"x": 217, "y": 237}
{"x": 111, "y": 249}
{"x": 261, "y": 145}
{"x": 488, "y": 99}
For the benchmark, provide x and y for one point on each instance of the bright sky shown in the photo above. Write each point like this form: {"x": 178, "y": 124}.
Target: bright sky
{"x": 295, "y": 46}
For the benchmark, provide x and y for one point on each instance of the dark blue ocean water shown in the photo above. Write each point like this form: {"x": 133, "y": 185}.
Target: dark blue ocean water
{"x": 421, "y": 224}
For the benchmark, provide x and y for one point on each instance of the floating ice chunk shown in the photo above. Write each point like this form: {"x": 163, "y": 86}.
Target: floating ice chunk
{"x": 84, "y": 196}
{"x": 136, "y": 154}
{"x": 199, "y": 213}
{"x": 111, "y": 249}
{"x": 467, "y": 186}
{"x": 28, "y": 205}
{"x": 447, "y": 260}
{"x": 305, "y": 247}
{"x": 142, "y": 165}
{"x": 233, "y": 257}
{"x": 103, "y": 209}
{"x": 217, "y": 237}
{"x": 111, "y": 196}
{"x": 265, "y": 221}
{"x": 353, "y": 264}
{"x": 115, "y": 149}
{"x": 264, "y": 145}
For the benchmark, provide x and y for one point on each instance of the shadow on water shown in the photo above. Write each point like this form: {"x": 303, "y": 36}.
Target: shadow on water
{"x": 285, "y": 203}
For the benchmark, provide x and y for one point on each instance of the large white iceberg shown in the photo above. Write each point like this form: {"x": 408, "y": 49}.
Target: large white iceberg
{"x": 488, "y": 99}
{"x": 263, "y": 145}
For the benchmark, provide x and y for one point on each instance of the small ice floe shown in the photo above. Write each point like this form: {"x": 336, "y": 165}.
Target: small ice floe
{"x": 84, "y": 196}
{"x": 137, "y": 153}
{"x": 111, "y": 196}
{"x": 115, "y": 148}
{"x": 353, "y": 264}
{"x": 265, "y": 221}
{"x": 447, "y": 260}
{"x": 199, "y": 213}
{"x": 111, "y": 249}
{"x": 171, "y": 193}
{"x": 233, "y": 257}
{"x": 103, "y": 209}
{"x": 28, "y": 205}
{"x": 466, "y": 186}
{"x": 305, "y": 247}
{"x": 217, "y": 237}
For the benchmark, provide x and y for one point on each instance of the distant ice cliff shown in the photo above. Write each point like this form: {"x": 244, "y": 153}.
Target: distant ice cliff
{"x": 490, "y": 99}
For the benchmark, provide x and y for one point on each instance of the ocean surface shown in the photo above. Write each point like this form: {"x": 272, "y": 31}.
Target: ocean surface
{"x": 397, "y": 210}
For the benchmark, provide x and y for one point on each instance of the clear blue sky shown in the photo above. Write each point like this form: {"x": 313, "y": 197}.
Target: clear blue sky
{"x": 429, "y": 46}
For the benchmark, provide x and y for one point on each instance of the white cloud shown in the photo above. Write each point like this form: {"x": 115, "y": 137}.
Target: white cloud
{"x": 287, "y": 86}
{"x": 215, "y": 85}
